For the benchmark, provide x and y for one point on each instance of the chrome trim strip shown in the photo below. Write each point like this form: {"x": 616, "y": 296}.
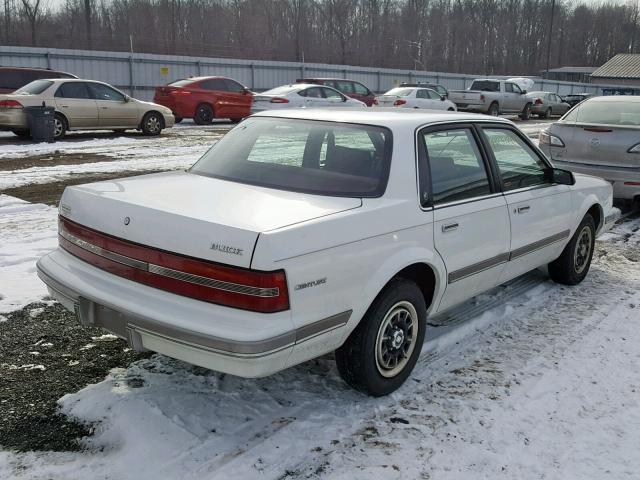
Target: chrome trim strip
{"x": 170, "y": 272}
{"x": 212, "y": 283}
{"x": 477, "y": 267}
{"x": 325, "y": 325}
{"x": 519, "y": 252}
{"x": 90, "y": 247}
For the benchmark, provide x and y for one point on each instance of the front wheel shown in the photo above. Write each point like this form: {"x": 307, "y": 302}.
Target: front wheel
{"x": 573, "y": 264}
{"x": 59, "y": 127}
{"x": 204, "y": 114}
{"x": 494, "y": 109}
{"x": 381, "y": 352}
{"x": 526, "y": 112}
{"x": 152, "y": 124}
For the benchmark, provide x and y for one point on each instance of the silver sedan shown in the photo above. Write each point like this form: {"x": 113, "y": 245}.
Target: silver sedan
{"x": 546, "y": 104}
{"x": 601, "y": 137}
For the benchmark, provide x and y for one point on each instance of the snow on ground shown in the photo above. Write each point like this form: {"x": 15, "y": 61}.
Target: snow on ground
{"x": 27, "y": 231}
{"x": 542, "y": 385}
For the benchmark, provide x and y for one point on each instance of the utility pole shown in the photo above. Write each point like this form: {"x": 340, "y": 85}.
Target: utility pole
{"x": 553, "y": 8}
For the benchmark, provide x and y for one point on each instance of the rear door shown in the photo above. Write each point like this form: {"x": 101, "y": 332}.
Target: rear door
{"x": 540, "y": 212}
{"x": 75, "y": 101}
{"x": 313, "y": 97}
{"x": 114, "y": 111}
{"x": 511, "y": 97}
{"x": 471, "y": 221}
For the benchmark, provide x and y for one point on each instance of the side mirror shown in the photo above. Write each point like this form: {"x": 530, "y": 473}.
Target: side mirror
{"x": 344, "y": 99}
{"x": 524, "y": 92}
{"x": 561, "y": 177}
{"x": 127, "y": 99}
{"x": 246, "y": 91}
{"x": 442, "y": 98}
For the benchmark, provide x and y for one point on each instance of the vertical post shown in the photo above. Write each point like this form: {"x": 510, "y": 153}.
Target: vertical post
{"x": 132, "y": 87}
{"x": 410, "y": 76}
{"x": 302, "y": 70}
{"x": 198, "y": 68}
{"x": 379, "y": 81}
{"x": 344, "y": 73}
{"x": 253, "y": 76}
{"x": 47, "y": 56}
{"x": 553, "y": 8}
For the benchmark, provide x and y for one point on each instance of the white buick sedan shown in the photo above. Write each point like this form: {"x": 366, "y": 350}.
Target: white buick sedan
{"x": 303, "y": 95}
{"x": 302, "y": 232}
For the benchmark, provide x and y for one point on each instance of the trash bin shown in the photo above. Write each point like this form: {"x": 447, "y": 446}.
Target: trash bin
{"x": 41, "y": 123}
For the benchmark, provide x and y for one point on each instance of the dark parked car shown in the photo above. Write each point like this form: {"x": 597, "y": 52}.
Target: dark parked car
{"x": 576, "y": 98}
{"x": 433, "y": 86}
{"x": 350, "y": 88}
{"x": 13, "y": 78}
{"x": 206, "y": 98}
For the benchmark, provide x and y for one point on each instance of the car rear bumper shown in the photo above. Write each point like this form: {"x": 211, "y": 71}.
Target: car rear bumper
{"x": 13, "y": 119}
{"x": 228, "y": 340}
{"x": 622, "y": 179}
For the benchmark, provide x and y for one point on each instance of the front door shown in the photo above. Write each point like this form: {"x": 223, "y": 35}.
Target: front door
{"x": 114, "y": 109}
{"x": 471, "y": 221}
{"x": 76, "y": 104}
{"x": 539, "y": 211}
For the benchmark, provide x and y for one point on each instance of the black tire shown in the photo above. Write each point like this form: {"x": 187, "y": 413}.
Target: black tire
{"x": 361, "y": 359}
{"x": 152, "y": 124}
{"x": 177, "y": 119}
{"x": 60, "y": 126}
{"x": 547, "y": 114}
{"x": 450, "y": 109}
{"x": 526, "y": 112}
{"x": 22, "y": 133}
{"x": 494, "y": 109}
{"x": 573, "y": 264}
{"x": 204, "y": 114}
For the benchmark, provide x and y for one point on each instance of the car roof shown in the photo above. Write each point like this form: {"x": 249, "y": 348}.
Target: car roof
{"x": 384, "y": 117}
{"x": 35, "y": 69}
{"x": 302, "y": 80}
{"x": 615, "y": 98}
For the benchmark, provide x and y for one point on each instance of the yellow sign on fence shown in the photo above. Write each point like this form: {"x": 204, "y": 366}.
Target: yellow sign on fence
{"x": 164, "y": 71}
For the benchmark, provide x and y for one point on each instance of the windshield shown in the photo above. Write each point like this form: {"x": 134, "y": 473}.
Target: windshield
{"x": 34, "y": 88}
{"x": 323, "y": 158}
{"x": 485, "y": 86}
{"x": 605, "y": 113}
{"x": 400, "y": 92}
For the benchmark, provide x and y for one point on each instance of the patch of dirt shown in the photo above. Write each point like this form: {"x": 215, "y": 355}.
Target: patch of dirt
{"x": 50, "y": 193}
{"x": 53, "y": 159}
{"x": 44, "y": 354}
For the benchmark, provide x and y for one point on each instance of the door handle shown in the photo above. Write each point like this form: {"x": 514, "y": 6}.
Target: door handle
{"x": 524, "y": 208}
{"x": 104, "y": 108}
{"x": 449, "y": 227}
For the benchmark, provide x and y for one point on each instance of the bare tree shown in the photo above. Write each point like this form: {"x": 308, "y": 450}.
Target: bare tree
{"x": 32, "y": 10}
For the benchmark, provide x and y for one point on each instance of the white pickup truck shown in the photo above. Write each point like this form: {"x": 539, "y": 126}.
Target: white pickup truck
{"x": 306, "y": 231}
{"x": 493, "y": 97}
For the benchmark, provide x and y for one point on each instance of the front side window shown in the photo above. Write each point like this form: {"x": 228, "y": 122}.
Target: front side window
{"x": 346, "y": 87}
{"x": 314, "y": 92}
{"x": 103, "y": 92}
{"x": 73, "y": 90}
{"x": 234, "y": 86}
{"x": 457, "y": 169}
{"x": 34, "y": 88}
{"x": 323, "y": 158}
{"x": 518, "y": 164}
{"x": 329, "y": 93}
{"x": 433, "y": 95}
{"x": 214, "y": 84}
{"x": 360, "y": 89}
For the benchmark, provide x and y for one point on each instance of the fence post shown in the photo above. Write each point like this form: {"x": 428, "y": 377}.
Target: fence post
{"x": 344, "y": 73}
{"x": 131, "y": 84}
{"x": 253, "y": 76}
{"x": 48, "y": 57}
{"x": 379, "y": 81}
{"x": 198, "y": 68}
{"x": 410, "y": 77}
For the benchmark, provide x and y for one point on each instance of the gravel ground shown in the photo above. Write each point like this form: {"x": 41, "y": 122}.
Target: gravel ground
{"x": 44, "y": 354}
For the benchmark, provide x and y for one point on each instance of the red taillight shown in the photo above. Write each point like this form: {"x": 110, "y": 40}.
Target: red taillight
{"x": 279, "y": 100}
{"x": 257, "y": 291}
{"x": 538, "y": 101}
{"x": 10, "y": 104}
{"x": 482, "y": 98}
{"x": 180, "y": 91}
{"x": 397, "y": 103}
{"x": 375, "y": 101}
{"x": 634, "y": 184}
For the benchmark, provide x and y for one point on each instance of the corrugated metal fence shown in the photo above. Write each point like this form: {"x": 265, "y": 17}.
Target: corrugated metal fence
{"x": 139, "y": 73}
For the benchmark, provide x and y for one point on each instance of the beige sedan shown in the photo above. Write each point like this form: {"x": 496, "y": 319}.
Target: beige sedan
{"x": 82, "y": 105}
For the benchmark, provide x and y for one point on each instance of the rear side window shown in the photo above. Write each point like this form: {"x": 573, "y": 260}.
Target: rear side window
{"x": 329, "y": 93}
{"x": 605, "y": 113}
{"x": 35, "y": 88}
{"x": 73, "y": 90}
{"x": 323, "y": 158}
{"x": 519, "y": 165}
{"x": 215, "y": 84}
{"x": 486, "y": 86}
{"x": 345, "y": 87}
{"x": 457, "y": 169}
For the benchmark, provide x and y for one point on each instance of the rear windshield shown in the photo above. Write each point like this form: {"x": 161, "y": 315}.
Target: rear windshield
{"x": 181, "y": 83}
{"x": 485, "y": 86}
{"x": 34, "y": 88}
{"x": 323, "y": 158}
{"x": 605, "y": 113}
{"x": 400, "y": 92}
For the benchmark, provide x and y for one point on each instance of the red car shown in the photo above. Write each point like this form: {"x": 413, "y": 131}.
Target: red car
{"x": 350, "y": 88}
{"x": 206, "y": 98}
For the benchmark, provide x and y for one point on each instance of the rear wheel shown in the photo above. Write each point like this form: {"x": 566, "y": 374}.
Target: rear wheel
{"x": 526, "y": 112}
{"x": 381, "y": 352}
{"x": 59, "y": 127}
{"x": 573, "y": 264}
{"x": 204, "y": 114}
{"x": 450, "y": 109}
{"x": 152, "y": 124}
{"x": 494, "y": 109}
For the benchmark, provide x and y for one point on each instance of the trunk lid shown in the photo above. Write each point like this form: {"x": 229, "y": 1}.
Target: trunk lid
{"x": 193, "y": 215}
{"x": 387, "y": 100}
{"x": 594, "y": 144}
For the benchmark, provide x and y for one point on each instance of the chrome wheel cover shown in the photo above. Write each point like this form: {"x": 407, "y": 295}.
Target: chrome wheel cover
{"x": 58, "y": 127}
{"x": 582, "y": 250}
{"x": 396, "y": 339}
{"x": 153, "y": 124}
